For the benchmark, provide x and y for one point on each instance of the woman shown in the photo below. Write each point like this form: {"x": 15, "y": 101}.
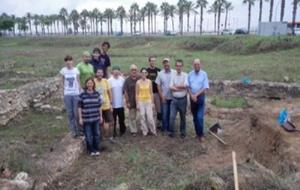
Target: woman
{"x": 144, "y": 100}
{"x": 90, "y": 116}
{"x": 70, "y": 80}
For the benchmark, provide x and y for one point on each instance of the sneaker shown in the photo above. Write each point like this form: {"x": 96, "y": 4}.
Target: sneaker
{"x": 112, "y": 140}
{"x": 97, "y": 153}
{"x": 182, "y": 136}
{"x": 93, "y": 154}
{"x": 171, "y": 135}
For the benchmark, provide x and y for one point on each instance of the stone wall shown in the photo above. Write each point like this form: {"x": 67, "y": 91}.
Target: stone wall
{"x": 12, "y": 102}
{"x": 256, "y": 89}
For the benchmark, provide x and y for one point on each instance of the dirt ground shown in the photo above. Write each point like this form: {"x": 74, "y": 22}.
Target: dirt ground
{"x": 165, "y": 163}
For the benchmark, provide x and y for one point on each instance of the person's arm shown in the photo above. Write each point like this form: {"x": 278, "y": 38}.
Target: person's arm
{"x": 62, "y": 82}
{"x": 157, "y": 81}
{"x": 151, "y": 92}
{"x": 78, "y": 82}
{"x": 136, "y": 94}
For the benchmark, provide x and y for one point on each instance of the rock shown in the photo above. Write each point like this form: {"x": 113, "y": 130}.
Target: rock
{"x": 59, "y": 117}
{"x": 22, "y": 176}
{"x": 45, "y": 107}
{"x": 6, "y": 184}
{"x": 122, "y": 186}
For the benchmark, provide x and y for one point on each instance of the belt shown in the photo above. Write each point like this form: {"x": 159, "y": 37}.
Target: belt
{"x": 178, "y": 98}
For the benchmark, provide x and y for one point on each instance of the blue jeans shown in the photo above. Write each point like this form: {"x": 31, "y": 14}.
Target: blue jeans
{"x": 71, "y": 102}
{"x": 92, "y": 136}
{"x": 198, "y": 110}
{"x": 178, "y": 105}
{"x": 165, "y": 109}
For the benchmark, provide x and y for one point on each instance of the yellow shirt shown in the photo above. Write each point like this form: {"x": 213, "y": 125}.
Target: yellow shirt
{"x": 102, "y": 87}
{"x": 144, "y": 91}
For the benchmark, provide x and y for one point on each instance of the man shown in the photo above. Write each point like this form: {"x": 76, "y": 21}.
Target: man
{"x": 116, "y": 83}
{"x": 104, "y": 89}
{"x": 152, "y": 75}
{"x": 163, "y": 86}
{"x": 97, "y": 62}
{"x": 105, "y": 46}
{"x": 129, "y": 91}
{"x": 178, "y": 86}
{"x": 197, "y": 86}
{"x": 86, "y": 70}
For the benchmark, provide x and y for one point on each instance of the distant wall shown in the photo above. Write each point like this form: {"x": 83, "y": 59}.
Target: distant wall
{"x": 272, "y": 28}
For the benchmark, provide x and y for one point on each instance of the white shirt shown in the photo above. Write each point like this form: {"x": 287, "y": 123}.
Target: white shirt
{"x": 71, "y": 85}
{"x": 179, "y": 80}
{"x": 117, "y": 91}
{"x": 163, "y": 80}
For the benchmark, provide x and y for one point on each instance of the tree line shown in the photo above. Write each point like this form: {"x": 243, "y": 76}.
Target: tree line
{"x": 94, "y": 21}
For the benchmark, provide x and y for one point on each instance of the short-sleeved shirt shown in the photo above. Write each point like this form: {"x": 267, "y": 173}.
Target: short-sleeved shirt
{"x": 116, "y": 85}
{"x": 102, "y": 88}
{"x": 152, "y": 75}
{"x": 179, "y": 80}
{"x": 98, "y": 64}
{"x": 163, "y": 80}
{"x": 71, "y": 86}
{"x": 106, "y": 60}
{"x": 86, "y": 71}
{"x": 129, "y": 88}
{"x": 197, "y": 81}
{"x": 90, "y": 104}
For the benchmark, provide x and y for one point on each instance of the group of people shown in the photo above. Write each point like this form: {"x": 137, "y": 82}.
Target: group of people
{"x": 96, "y": 98}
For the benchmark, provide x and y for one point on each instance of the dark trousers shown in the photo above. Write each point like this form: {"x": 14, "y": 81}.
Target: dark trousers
{"x": 178, "y": 105}
{"x": 166, "y": 109}
{"x": 119, "y": 113}
{"x": 92, "y": 136}
{"x": 198, "y": 110}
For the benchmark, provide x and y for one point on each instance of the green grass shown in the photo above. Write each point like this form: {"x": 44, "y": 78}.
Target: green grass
{"x": 279, "y": 57}
{"x": 229, "y": 102}
{"x": 34, "y": 133}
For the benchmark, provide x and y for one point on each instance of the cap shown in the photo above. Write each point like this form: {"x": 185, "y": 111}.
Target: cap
{"x": 86, "y": 53}
{"x": 116, "y": 67}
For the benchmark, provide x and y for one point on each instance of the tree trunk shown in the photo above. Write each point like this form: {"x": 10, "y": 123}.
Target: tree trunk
{"x": 215, "y": 22}
{"x": 226, "y": 16}
{"x": 201, "y": 19}
{"x": 195, "y": 22}
{"x": 149, "y": 23}
{"x": 249, "y": 17}
{"x": 188, "y": 21}
{"x": 282, "y": 10}
{"x": 108, "y": 28}
{"x": 36, "y": 33}
{"x": 219, "y": 19}
{"x": 121, "y": 18}
{"x": 295, "y": 4}
{"x": 260, "y": 10}
{"x": 172, "y": 23}
{"x": 155, "y": 23}
{"x": 144, "y": 25}
{"x": 111, "y": 27}
{"x": 101, "y": 26}
{"x": 271, "y": 10}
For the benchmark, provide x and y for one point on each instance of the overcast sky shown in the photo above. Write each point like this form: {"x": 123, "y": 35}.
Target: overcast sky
{"x": 237, "y": 17}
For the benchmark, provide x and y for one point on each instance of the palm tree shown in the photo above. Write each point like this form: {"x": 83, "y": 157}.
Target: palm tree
{"x": 74, "y": 18}
{"x": 22, "y": 26}
{"x": 220, "y": 4}
{"x": 149, "y": 12}
{"x": 13, "y": 18}
{"x": 228, "y": 7}
{"x": 96, "y": 16}
{"x": 181, "y": 9}
{"x": 109, "y": 14}
{"x": 172, "y": 10}
{"x": 260, "y": 10}
{"x": 282, "y": 10}
{"x": 214, "y": 9}
{"x": 155, "y": 12}
{"x": 295, "y": 4}
{"x": 28, "y": 15}
{"x": 271, "y": 10}
{"x": 143, "y": 15}
{"x": 84, "y": 13}
{"x": 134, "y": 9}
{"x": 63, "y": 14}
{"x": 91, "y": 17}
{"x": 195, "y": 18}
{"x": 121, "y": 13}
{"x": 250, "y": 4}
{"x": 165, "y": 7}
{"x": 188, "y": 8}
{"x": 202, "y": 4}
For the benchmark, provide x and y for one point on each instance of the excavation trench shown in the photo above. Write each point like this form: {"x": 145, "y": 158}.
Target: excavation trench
{"x": 262, "y": 147}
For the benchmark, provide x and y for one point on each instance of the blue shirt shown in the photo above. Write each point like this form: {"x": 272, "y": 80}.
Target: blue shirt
{"x": 197, "y": 81}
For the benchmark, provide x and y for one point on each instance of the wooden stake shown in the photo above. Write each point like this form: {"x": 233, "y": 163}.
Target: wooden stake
{"x": 235, "y": 172}
{"x": 217, "y": 137}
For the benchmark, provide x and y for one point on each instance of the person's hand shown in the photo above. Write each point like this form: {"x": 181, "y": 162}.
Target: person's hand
{"x": 194, "y": 98}
{"x": 100, "y": 119}
{"x": 128, "y": 105}
{"x": 80, "y": 121}
{"x": 163, "y": 99}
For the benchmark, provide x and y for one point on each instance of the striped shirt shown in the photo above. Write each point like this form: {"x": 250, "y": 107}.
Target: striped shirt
{"x": 90, "y": 106}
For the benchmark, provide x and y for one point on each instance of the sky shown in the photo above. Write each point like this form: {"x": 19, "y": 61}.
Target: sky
{"x": 237, "y": 17}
